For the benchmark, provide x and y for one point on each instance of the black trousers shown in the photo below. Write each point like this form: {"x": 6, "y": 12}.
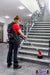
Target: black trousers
{"x": 13, "y": 45}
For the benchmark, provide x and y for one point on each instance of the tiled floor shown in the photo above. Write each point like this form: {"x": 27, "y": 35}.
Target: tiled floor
{"x": 27, "y": 68}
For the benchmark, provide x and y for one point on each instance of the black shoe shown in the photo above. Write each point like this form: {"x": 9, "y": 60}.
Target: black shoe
{"x": 9, "y": 65}
{"x": 17, "y": 67}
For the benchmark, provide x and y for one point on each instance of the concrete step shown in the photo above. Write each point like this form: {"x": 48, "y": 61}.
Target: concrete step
{"x": 41, "y": 26}
{"x": 32, "y": 50}
{"x": 38, "y": 34}
{"x": 38, "y": 40}
{"x": 42, "y": 34}
{"x": 34, "y": 47}
{"x": 40, "y": 31}
{"x": 36, "y": 44}
{"x": 42, "y": 22}
{"x": 34, "y": 53}
{"x": 33, "y": 59}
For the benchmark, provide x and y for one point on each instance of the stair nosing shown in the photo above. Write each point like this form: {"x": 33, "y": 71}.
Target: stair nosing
{"x": 25, "y": 51}
{"x": 35, "y": 59}
{"x": 35, "y": 47}
{"x": 37, "y": 43}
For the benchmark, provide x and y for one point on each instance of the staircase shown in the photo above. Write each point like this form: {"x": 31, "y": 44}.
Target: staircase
{"x": 38, "y": 39}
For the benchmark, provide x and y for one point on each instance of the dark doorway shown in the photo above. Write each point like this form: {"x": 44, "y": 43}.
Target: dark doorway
{"x": 1, "y": 32}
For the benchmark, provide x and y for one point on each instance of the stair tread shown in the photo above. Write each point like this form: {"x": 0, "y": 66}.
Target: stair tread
{"x": 39, "y": 30}
{"x": 39, "y": 33}
{"x": 38, "y": 39}
{"x": 43, "y": 22}
{"x": 36, "y": 47}
{"x": 37, "y": 43}
{"x": 33, "y": 58}
{"x": 32, "y": 52}
{"x": 40, "y": 26}
{"x": 37, "y": 36}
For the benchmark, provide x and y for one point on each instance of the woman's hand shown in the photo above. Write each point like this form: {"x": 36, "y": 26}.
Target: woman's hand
{"x": 20, "y": 32}
{"x": 25, "y": 37}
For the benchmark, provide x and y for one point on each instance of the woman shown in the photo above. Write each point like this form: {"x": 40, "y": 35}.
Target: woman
{"x": 13, "y": 44}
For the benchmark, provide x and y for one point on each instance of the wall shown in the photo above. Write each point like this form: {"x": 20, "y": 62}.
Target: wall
{"x": 5, "y": 24}
{"x": 4, "y": 29}
{"x": 32, "y": 5}
{"x": 46, "y": 16}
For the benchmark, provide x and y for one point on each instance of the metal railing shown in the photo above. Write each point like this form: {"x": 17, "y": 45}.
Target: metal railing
{"x": 36, "y": 17}
{"x": 39, "y": 3}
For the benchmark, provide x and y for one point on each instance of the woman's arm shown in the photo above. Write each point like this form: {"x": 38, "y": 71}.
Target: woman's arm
{"x": 20, "y": 32}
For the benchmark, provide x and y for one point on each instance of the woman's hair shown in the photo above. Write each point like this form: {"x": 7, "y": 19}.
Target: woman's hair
{"x": 17, "y": 18}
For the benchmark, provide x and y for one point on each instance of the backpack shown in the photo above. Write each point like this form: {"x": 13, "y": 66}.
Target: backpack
{"x": 10, "y": 30}
{"x": 11, "y": 33}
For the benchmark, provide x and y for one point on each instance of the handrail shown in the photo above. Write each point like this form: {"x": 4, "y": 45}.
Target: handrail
{"x": 36, "y": 16}
{"x": 39, "y": 4}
